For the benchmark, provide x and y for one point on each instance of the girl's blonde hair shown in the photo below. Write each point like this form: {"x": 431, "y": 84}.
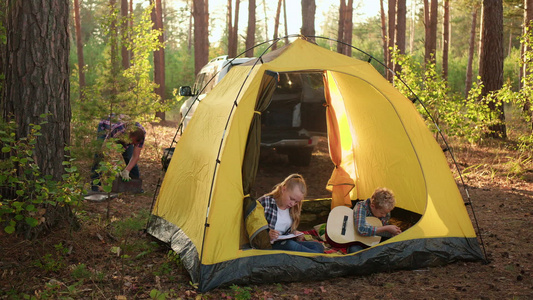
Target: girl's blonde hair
{"x": 383, "y": 198}
{"x": 292, "y": 181}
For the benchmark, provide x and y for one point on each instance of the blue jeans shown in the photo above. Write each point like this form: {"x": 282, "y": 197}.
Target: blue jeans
{"x": 303, "y": 246}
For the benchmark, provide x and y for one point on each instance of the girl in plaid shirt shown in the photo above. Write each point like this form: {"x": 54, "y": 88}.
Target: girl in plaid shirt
{"x": 282, "y": 212}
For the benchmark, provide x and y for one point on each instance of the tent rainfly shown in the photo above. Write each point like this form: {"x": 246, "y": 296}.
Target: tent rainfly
{"x": 376, "y": 138}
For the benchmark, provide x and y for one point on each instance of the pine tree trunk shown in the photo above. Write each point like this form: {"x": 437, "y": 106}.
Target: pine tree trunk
{"x": 471, "y": 48}
{"x": 525, "y": 71}
{"x": 250, "y": 32}
{"x": 38, "y": 39}
{"x": 159, "y": 58}
{"x": 348, "y": 28}
{"x": 401, "y": 20}
{"x": 124, "y": 51}
{"x": 384, "y": 36}
{"x": 201, "y": 34}
{"x": 285, "y": 22}
{"x": 445, "y": 39}
{"x": 492, "y": 59}
{"x": 79, "y": 48}
{"x": 276, "y": 24}
{"x": 340, "y": 30}
{"x": 229, "y": 26}
{"x": 391, "y": 35}
{"x": 430, "y": 20}
{"x": 308, "y": 19}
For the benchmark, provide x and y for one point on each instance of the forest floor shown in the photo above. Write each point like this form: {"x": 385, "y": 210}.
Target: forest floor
{"x": 112, "y": 258}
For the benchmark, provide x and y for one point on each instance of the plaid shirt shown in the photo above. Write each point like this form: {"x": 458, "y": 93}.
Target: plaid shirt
{"x": 115, "y": 126}
{"x": 271, "y": 211}
{"x": 360, "y": 212}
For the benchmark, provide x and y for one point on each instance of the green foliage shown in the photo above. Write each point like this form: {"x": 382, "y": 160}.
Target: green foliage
{"x": 115, "y": 90}
{"x": 468, "y": 118}
{"x": 241, "y": 293}
{"x": 81, "y": 272}
{"x": 25, "y": 191}
{"x": 110, "y": 165}
{"x": 158, "y": 295}
{"x": 53, "y": 262}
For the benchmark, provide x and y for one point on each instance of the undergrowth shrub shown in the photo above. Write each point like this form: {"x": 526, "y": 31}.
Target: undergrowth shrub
{"x": 25, "y": 191}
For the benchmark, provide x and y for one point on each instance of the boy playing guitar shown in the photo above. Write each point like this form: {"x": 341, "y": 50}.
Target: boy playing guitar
{"x": 379, "y": 206}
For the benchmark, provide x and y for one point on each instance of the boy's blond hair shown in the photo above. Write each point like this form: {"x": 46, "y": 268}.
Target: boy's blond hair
{"x": 383, "y": 198}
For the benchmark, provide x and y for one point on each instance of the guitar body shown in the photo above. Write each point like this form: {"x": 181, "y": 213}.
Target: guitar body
{"x": 341, "y": 231}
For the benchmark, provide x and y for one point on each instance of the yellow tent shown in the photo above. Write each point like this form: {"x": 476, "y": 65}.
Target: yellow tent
{"x": 376, "y": 138}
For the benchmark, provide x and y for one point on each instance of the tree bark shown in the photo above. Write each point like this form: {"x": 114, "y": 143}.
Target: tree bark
{"x": 401, "y": 20}
{"x": 37, "y": 77}
{"x": 340, "y": 30}
{"x": 445, "y": 39}
{"x": 492, "y": 59}
{"x": 229, "y": 25}
{"x": 384, "y": 36}
{"x": 285, "y": 22}
{"x": 430, "y": 19}
{"x": 124, "y": 27}
{"x": 348, "y": 28}
{"x": 250, "y": 32}
{"x": 471, "y": 48}
{"x": 79, "y": 48}
{"x": 308, "y": 19}
{"x": 391, "y": 35}
{"x": 276, "y": 24}
{"x": 233, "y": 28}
{"x": 190, "y": 5}
{"x": 201, "y": 34}
{"x": 525, "y": 70}
{"x": 159, "y": 57}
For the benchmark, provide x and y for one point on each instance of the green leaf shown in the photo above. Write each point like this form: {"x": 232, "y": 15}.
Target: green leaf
{"x": 6, "y": 149}
{"x": 9, "y": 229}
{"x": 32, "y": 221}
{"x": 30, "y": 207}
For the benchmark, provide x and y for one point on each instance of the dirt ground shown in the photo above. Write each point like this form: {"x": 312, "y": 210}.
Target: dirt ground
{"x": 113, "y": 259}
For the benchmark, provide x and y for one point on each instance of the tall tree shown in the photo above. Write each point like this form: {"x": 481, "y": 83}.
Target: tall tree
{"x": 159, "y": 56}
{"x": 285, "y": 22}
{"x": 391, "y": 36}
{"x": 445, "y": 38}
{"x": 525, "y": 71}
{"x": 340, "y": 29}
{"x": 348, "y": 28}
{"x": 471, "y": 48}
{"x": 401, "y": 24}
{"x": 233, "y": 28}
{"x": 250, "y": 32}
{"x": 276, "y": 24}
{"x": 37, "y": 39}
{"x": 491, "y": 60}
{"x": 124, "y": 27}
{"x": 79, "y": 48}
{"x": 308, "y": 19}
{"x": 201, "y": 34}
{"x": 344, "y": 34}
{"x": 384, "y": 35}
{"x": 430, "y": 22}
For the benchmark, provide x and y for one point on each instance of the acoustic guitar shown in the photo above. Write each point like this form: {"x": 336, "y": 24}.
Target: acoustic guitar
{"x": 341, "y": 231}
